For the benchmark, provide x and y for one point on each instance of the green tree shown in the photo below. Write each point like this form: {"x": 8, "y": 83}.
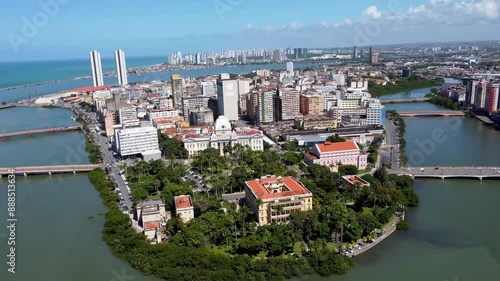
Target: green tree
{"x": 335, "y": 138}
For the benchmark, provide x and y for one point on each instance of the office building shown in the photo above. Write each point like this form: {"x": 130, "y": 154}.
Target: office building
{"x": 184, "y": 208}
{"x": 96, "y": 68}
{"x": 406, "y": 73}
{"x": 227, "y": 97}
{"x": 177, "y": 89}
{"x": 273, "y": 199}
{"x": 121, "y": 68}
{"x": 194, "y": 102}
{"x": 162, "y": 113}
{"x": 109, "y": 123}
{"x": 134, "y": 141}
{"x": 355, "y": 53}
{"x": 127, "y": 114}
{"x": 334, "y": 154}
{"x": 315, "y": 123}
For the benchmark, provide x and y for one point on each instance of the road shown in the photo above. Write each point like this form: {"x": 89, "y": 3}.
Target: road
{"x": 392, "y": 144}
{"x": 108, "y": 158}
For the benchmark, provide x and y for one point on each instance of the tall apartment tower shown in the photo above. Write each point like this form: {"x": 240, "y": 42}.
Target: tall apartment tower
{"x": 121, "y": 68}
{"x": 177, "y": 90}
{"x": 373, "y": 56}
{"x": 355, "y": 53}
{"x": 95, "y": 65}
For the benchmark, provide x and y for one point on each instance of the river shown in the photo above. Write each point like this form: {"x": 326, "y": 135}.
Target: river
{"x": 452, "y": 233}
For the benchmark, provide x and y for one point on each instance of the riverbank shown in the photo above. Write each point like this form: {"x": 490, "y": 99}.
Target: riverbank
{"x": 403, "y": 85}
{"x": 386, "y": 232}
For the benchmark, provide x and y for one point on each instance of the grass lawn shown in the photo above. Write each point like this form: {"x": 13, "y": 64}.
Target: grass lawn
{"x": 363, "y": 171}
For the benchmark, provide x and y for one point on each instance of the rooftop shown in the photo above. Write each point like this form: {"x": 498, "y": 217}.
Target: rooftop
{"x": 336, "y": 146}
{"x": 182, "y": 202}
{"x": 151, "y": 225}
{"x": 149, "y": 202}
{"x": 270, "y": 187}
{"x": 355, "y": 180}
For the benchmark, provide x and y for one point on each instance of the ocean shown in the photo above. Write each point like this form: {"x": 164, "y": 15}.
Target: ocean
{"x": 32, "y": 72}
{"x": 63, "y": 72}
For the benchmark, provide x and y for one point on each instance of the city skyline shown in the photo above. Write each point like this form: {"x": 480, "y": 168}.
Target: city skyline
{"x": 43, "y": 32}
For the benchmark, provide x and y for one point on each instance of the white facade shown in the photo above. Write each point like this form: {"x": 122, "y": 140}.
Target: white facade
{"x": 162, "y": 113}
{"x": 289, "y": 69}
{"x": 121, "y": 68}
{"x": 134, "y": 141}
{"x": 208, "y": 89}
{"x": 227, "y": 98}
{"x": 95, "y": 64}
{"x": 127, "y": 114}
{"x": 375, "y": 113}
{"x": 222, "y": 136}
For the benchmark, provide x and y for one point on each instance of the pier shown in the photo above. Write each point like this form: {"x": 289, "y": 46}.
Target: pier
{"x": 403, "y": 100}
{"x": 479, "y": 173}
{"x": 40, "y": 131}
{"x": 49, "y": 170}
{"x": 441, "y": 113}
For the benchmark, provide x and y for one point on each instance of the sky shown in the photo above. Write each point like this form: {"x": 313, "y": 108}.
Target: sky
{"x": 67, "y": 29}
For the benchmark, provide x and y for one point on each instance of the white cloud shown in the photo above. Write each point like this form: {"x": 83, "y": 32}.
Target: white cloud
{"x": 372, "y": 12}
{"x": 249, "y": 26}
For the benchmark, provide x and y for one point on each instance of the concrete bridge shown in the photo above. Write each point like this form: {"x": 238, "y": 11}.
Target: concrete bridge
{"x": 404, "y": 100}
{"x": 57, "y": 169}
{"x": 450, "y": 172}
{"x": 40, "y": 131}
{"x": 443, "y": 113}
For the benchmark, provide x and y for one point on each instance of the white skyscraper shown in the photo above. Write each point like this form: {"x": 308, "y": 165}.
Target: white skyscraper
{"x": 121, "y": 68}
{"x": 95, "y": 64}
{"x": 227, "y": 97}
{"x": 289, "y": 69}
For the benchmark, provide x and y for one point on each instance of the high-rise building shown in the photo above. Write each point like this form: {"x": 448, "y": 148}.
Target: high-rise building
{"x": 121, "y": 68}
{"x": 227, "y": 97}
{"x": 355, "y": 53}
{"x": 287, "y": 104}
{"x": 492, "y": 97}
{"x": 201, "y": 116}
{"x": 373, "y": 56}
{"x": 406, "y": 72}
{"x": 208, "y": 89}
{"x": 133, "y": 141}
{"x": 252, "y": 105}
{"x": 265, "y": 110}
{"x": 289, "y": 69}
{"x": 95, "y": 65}
{"x": 198, "y": 58}
{"x": 480, "y": 96}
{"x": 177, "y": 89}
{"x": 375, "y": 113}
{"x": 277, "y": 55}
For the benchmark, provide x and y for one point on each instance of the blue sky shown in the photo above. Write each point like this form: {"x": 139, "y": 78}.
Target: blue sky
{"x": 159, "y": 27}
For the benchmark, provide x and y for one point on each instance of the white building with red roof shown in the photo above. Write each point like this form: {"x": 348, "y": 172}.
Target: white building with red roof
{"x": 273, "y": 199}
{"x": 223, "y": 135}
{"x": 184, "y": 207}
{"x": 333, "y": 154}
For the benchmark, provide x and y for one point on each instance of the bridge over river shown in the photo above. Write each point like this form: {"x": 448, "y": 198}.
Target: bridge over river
{"x": 450, "y": 172}
{"x": 56, "y": 169}
{"x": 404, "y": 100}
{"x": 40, "y": 131}
{"x": 432, "y": 113}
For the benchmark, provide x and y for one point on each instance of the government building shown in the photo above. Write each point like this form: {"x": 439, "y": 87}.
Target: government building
{"x": 273, "y": 199}
{"x": 333, "y": 154}
{"x": 223, "y": 135}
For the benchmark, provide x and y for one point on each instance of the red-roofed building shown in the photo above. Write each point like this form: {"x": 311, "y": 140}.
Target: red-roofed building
{"x": 90, "y": 89}
{"x": 184, "y": 207}
{"x": 273, "y": 198}
{"x": 333, "y": 154}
